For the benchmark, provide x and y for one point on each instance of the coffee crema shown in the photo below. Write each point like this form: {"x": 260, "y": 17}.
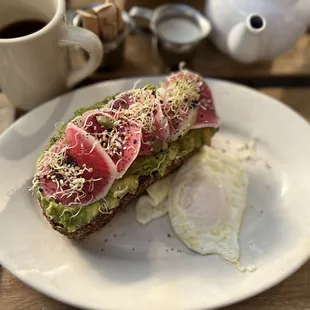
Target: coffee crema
{"x": 21, "y": 28}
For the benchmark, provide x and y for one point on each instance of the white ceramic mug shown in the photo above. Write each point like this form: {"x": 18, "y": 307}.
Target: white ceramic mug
{"x": 35, "y": 68}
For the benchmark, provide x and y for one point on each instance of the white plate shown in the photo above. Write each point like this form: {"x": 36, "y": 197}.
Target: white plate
{"x": 136, "y": 268}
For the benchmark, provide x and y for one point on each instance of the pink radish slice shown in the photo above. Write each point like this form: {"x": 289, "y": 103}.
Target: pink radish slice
{"x": 180, "y": 115}
{"x": 76, "y": 171}
{"x": 180, "y": 126}
{"x": 147, "y": 142}
{"x": 122, "y": 101}
{"x": 122, "y": 142}
{"x": 162, "y": 130}
{"x": 206, "y": 116}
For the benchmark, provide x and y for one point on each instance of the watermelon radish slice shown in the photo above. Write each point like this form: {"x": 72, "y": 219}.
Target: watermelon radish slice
{"x": 125, "y": 100}
{"x": 180, "y": 126}
{"x": 143, "y": 107}
{"x": 76, "y": 170}
{"x": 179, "y": 102}
{"x": 146, "y": 144}
{"x": 122, "y": 101}
{"x": 206, "y": 116}
{"x": 162, "y": 129}
{"x": 119, "y": 137}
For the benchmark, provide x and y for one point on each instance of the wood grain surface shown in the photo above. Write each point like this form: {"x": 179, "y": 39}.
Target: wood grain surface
{"x": 291, "y": 294}
{"x": 141, "y": 59}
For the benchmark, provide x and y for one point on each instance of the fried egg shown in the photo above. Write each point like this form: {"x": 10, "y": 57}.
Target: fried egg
{"x": 207, "y": 200}
{"x": 154, "y": 205}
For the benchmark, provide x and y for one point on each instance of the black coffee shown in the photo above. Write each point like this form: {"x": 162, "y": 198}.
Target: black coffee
{"x": 21, "y": 28}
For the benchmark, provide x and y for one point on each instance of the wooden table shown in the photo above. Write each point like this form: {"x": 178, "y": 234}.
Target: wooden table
{"x": 292, "y": 294}
{"x": 292, "y": 68}
{"x": 141, "y": 59}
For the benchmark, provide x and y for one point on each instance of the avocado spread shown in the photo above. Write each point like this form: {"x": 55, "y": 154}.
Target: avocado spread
{"x": 74, "y": 217}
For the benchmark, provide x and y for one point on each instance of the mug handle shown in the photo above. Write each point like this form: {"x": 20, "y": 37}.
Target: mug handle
{"x": 71, "y": 35}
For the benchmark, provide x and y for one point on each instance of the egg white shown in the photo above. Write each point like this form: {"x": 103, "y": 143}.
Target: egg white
{"x": 207, "y": 200}
{"x": 155, "y": 204}
{"x": 160, "y": 189}
{"x": 147, "y": 211}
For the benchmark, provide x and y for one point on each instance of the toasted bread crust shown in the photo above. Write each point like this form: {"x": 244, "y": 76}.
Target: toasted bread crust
{"x": 102, "y": 219}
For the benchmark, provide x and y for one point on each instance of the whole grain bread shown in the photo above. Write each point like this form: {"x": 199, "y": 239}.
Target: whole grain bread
{"x": 102, "y": 219}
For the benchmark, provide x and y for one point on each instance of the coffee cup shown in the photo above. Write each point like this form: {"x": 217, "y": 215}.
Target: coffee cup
{"x": 34, "y": 58}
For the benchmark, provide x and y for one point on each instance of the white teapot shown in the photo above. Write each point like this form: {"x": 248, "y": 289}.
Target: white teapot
{"x": 257, "y": 30}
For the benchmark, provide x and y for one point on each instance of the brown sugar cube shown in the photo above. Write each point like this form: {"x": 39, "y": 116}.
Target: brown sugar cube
{"x": 90, "y": 21}
{"x": 110, "y": 20}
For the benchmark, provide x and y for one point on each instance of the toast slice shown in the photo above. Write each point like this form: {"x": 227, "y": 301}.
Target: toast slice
{"x": 110, "y": 153}
{"x": 101, "y": 219}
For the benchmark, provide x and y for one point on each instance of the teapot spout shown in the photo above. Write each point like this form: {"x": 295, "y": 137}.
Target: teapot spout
{"x": 244, "y": 40}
